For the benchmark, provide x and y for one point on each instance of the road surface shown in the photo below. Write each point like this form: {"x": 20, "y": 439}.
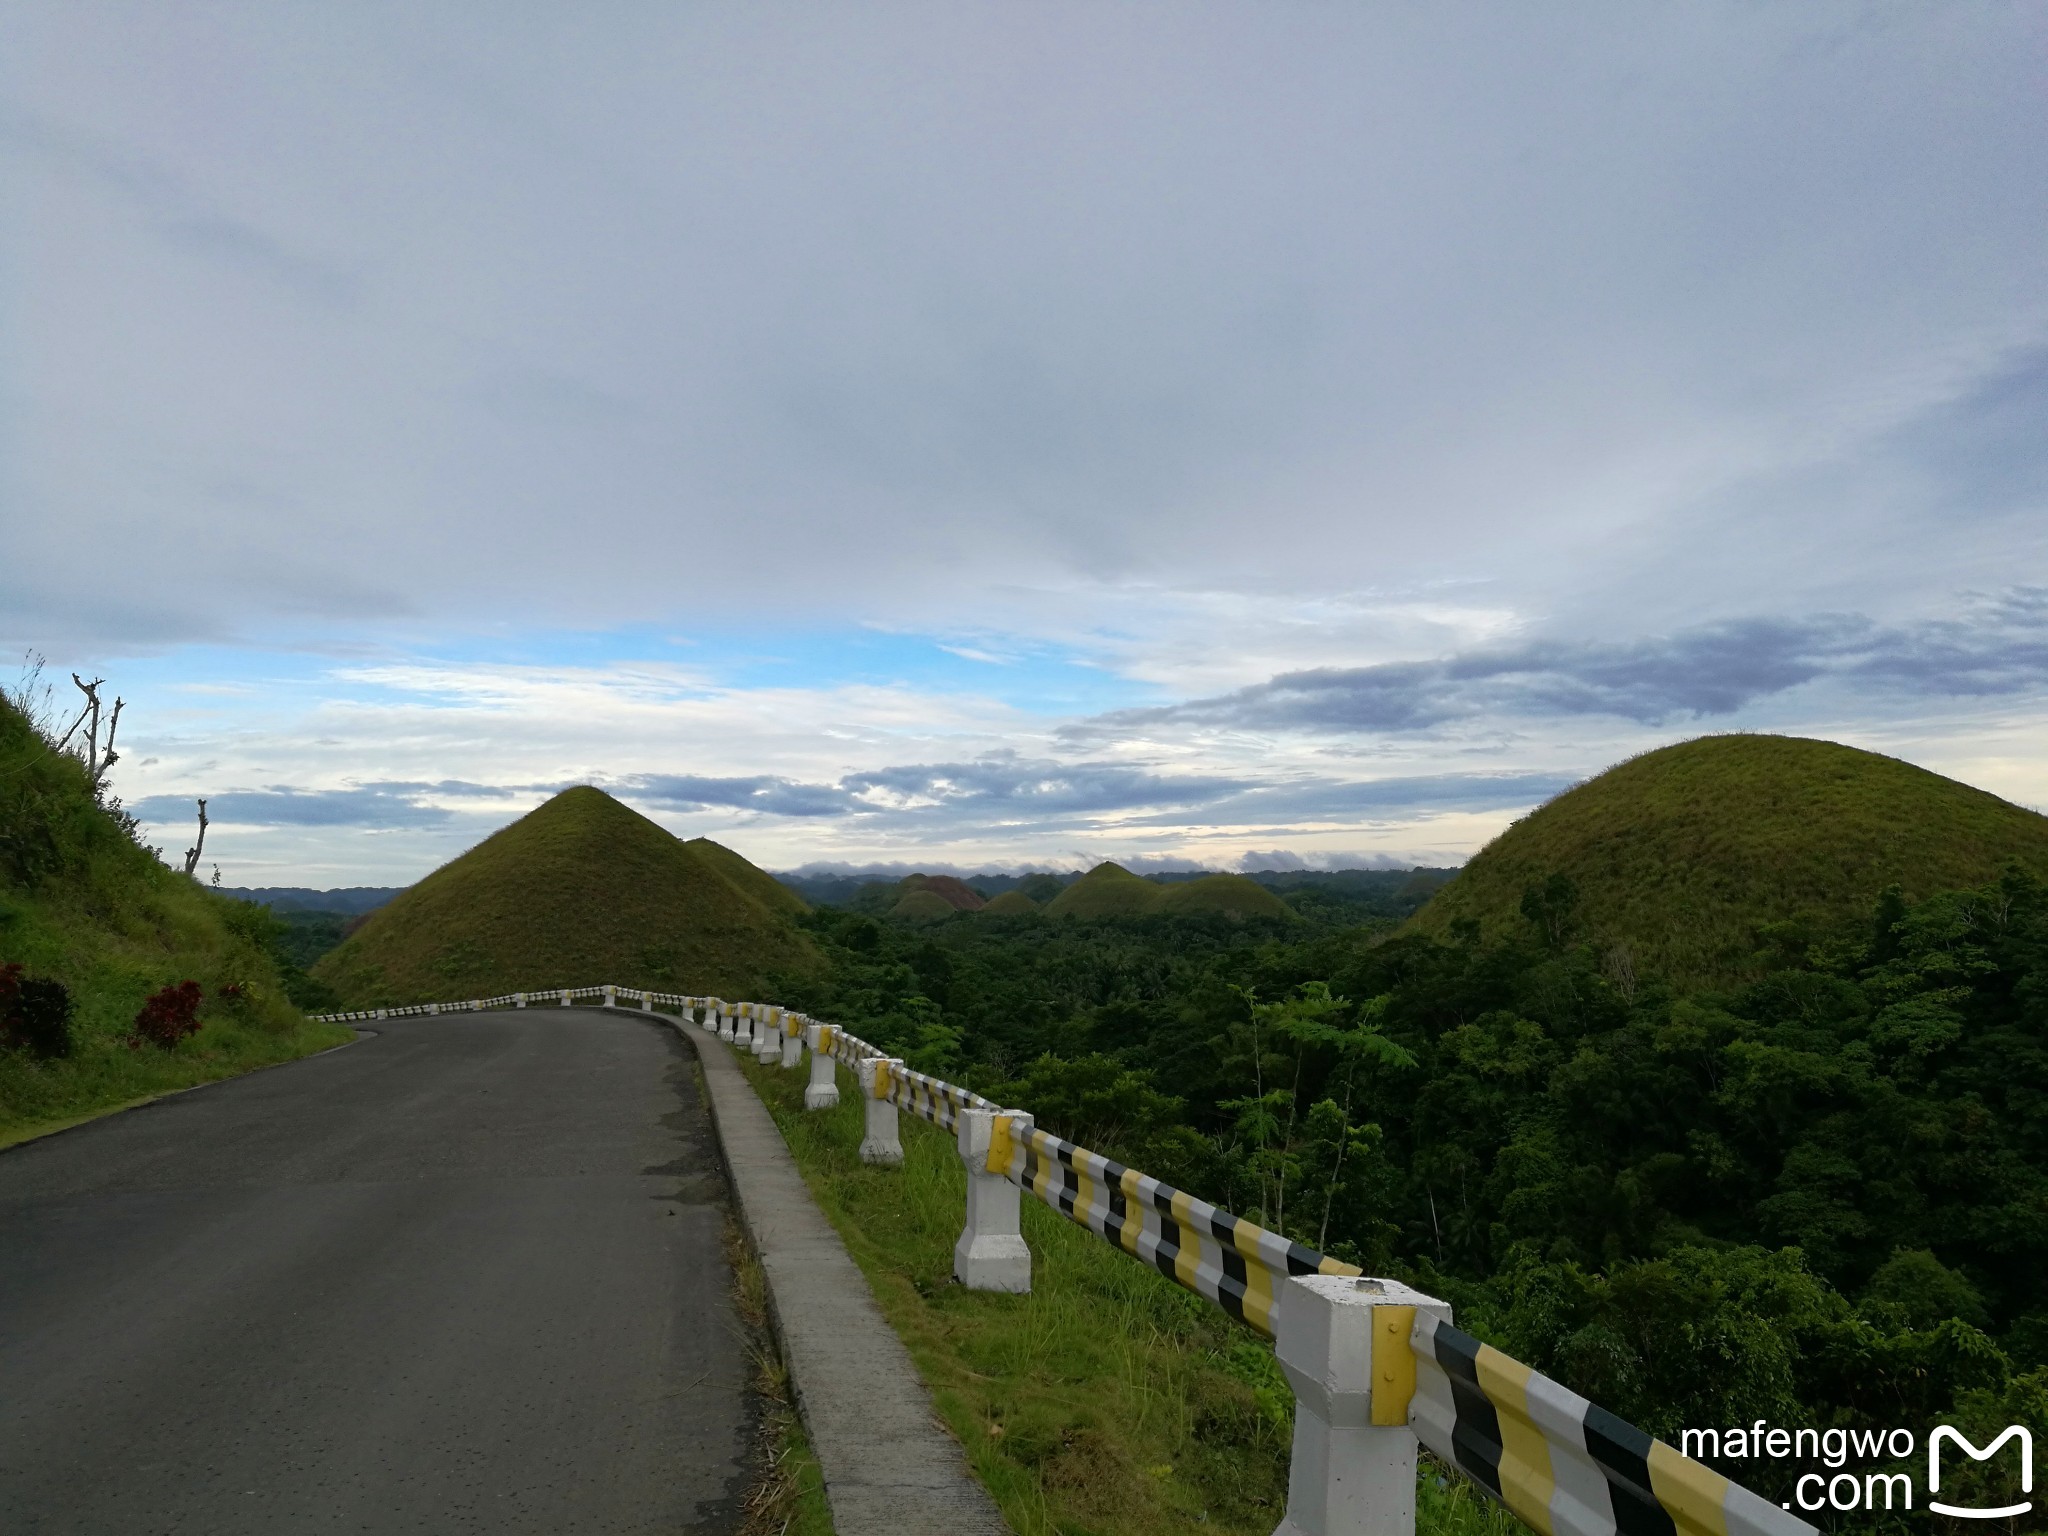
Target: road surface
{"x": 463, "y": 1275}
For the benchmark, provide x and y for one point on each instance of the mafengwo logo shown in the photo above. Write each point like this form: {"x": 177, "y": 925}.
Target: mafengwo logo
{"x": 1872, "y": 1470}
{"x": 1945, "y": 1435}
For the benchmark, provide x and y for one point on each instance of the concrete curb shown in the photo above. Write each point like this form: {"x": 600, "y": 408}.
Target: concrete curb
{"x": 890, "y": 1467}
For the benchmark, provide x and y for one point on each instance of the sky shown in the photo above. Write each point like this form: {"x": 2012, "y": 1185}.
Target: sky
{"x": 1004, "y": 436}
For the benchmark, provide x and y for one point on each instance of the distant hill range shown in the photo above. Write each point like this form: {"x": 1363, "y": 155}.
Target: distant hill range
{"x": 1686, "y": 862}
{"x": 1385, "y": 892}
{"x": 352, "y": 900}
{"x": 579, "y": 891}
{"x": 1109, "y": 890}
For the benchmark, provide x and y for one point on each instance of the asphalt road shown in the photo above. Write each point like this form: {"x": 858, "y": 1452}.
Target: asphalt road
{"x": 464, "y": 1275}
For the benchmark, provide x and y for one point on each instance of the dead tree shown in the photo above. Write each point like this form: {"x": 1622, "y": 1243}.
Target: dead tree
{"x": 192, "y": 853}
{"x": 97, "y": 760}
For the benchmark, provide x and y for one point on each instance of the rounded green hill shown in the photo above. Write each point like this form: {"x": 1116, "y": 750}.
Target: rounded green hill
{"x": 1107, "y": 890}
{"x": 1230, "y": 894}
{"x": 951, "y": 889}
{"x": 1681, "y": 855}
{"x": 922, "y": 906}
{"x": 580, "y": 891}
{"x": 1110, "y": 890}
{"x": 1011, "y": 904}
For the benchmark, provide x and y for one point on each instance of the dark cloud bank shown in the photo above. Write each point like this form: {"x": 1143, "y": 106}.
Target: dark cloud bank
{"x": 2001, "y": 648}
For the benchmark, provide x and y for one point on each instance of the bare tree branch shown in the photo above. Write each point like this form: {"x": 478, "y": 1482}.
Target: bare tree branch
{"x": 192, "y": 853}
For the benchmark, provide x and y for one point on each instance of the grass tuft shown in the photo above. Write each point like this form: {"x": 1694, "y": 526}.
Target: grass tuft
{"x": 788, "y": 1494}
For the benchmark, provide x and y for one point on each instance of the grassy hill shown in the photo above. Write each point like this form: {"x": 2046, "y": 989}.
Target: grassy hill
{"x": 580, "y": 891}
{"x": 918, "y": 906}
{"x": 929, "y": 898}
{"x": 1011, "y": 904}
{"x": 84, "y": 905}
{"x": 1232, "y": 894}
{"x": 1107, "y": 890}
{"x": 1681, "y": 854}
{"x": 951, "y": 889}
{"x": 1110, "y": 890}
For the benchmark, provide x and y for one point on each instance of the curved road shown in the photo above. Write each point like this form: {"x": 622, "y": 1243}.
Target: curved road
{"x": 463, "y": 1275}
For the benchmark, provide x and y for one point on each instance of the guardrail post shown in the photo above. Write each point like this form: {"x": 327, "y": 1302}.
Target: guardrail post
{"x": 990, "y": 1255}
{"x": 728, "y": 1023}
{"x": 743, "y": 1027}
{"x": 611, "y": 995}
{"x": 646, "y": 1001}
{"x": 881, "y": 1145}
{"x": 822, "y": 1091}
{"x": 768, "y": 1035}
{"x": 1343, "y": 1342}
{"x": 792, "y": 1040}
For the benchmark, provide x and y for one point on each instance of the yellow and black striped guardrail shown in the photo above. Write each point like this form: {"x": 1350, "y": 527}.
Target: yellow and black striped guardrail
{"x": 1563, "y": 1465}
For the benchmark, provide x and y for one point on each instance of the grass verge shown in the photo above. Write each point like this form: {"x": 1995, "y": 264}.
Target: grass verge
{"x": 788, "y": 1496}
{"x": 1107, "y": 1400}
{"x": 102, "y": 1075}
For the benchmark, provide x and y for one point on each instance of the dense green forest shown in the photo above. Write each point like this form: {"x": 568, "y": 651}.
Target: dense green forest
{"x": 1819, "y": 1199}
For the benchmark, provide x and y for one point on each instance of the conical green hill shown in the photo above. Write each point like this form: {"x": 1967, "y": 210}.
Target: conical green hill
{"x": 1230, "y": 894}
{"x": 951, "y": 889}
{"x": 922, "y": 906}
{"x": 1681, "y": 854}
{"x": 1107, "y": 890}
{"x": 582, "y": 890}
{"x": 1011, "y": 903}
{"x": 751, "y": 879}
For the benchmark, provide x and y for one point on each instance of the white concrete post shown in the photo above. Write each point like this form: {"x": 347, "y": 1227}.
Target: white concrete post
{"x": 433, "y": 1008}
{"x": 565, "y": 997}
{"x": 1343, "y": 1343}
{"x": 822, "y": 1091}
{"x": 728, "y": 1023}
{"x": 646, "y": 1001}
{"x": 611, "y": 995}
{"x": 768, "y": 1035}
{"x": 383, "y": 1013}
{"x": 708, "y": 1022}
{"x": 743, "y": 1028}
{"x": 518, "y": 999}
{"x": 881, "y": 1145}
{"x": 792, "y": 1040}
{"x": 990, "y": 1255}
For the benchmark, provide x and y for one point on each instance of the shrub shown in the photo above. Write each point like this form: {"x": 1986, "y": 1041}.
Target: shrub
{"x": 35, "y": 1015}
{"x": 169, "y": 1016}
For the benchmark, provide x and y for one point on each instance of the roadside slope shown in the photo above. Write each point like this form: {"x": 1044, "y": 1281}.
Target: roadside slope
{"x": 84, "y": 905}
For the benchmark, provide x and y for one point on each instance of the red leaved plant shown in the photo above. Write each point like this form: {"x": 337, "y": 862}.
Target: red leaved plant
{"x": 168, "y": 1017}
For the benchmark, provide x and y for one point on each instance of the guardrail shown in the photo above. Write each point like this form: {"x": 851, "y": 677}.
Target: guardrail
{"x": 1377, "y": 1368}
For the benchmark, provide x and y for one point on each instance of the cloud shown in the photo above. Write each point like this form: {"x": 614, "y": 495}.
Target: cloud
{"x": 770, "y": 796}
{"x": 1215, "y": 305}
{"x": 1000, "y": 787}
{"x": 1054, "y": 798}
{"x": 378, "y": 806}
{"x": 1709, "y": 670}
